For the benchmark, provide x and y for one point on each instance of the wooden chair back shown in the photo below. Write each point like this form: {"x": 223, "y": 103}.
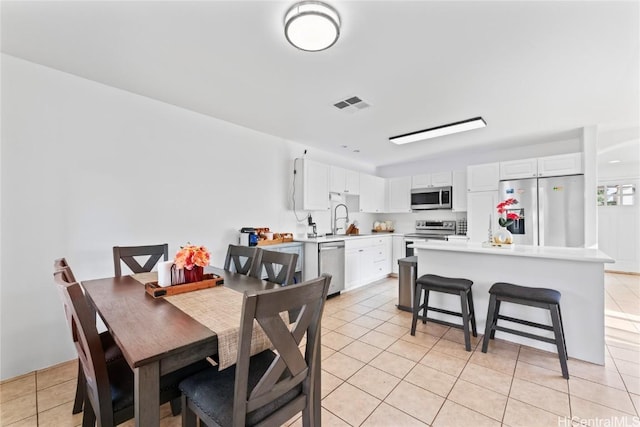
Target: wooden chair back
{"x": 279, "y": 266}
{"x": 60, "y": 264}
{"x": 291, "y": 368}
{"x": 245, "y": 259}
{"x": 126, "y": 254}
{"x": 90, "y": 352}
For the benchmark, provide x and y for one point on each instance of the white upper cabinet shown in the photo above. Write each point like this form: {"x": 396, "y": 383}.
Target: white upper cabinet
{"x": 344, "y": 181}
{"x": 563, "y": 164}
{"x": 399, "y": 194}
{"x": 438, "y": 179}
{"x": 518, "y": 169}
{"x": 372, "y": 193}
{"x": 483, "y": 177}
{"x": 311, "y": 186}
{"x": 459, "y": 189}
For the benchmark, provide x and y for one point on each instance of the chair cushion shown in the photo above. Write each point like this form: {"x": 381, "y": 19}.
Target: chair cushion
{"x": 445, "y": 284}
{"x": 111, "y": 349}
{"x": 212, "y": 391}
{"x": 549, "y": 296}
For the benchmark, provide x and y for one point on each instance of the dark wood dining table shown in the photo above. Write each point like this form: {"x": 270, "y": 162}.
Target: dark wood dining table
{"x": 157, "y": 338}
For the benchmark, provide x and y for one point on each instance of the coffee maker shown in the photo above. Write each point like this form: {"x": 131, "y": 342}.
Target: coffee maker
{"x": 248, "y": 236}
{"x": 311, "y": 227}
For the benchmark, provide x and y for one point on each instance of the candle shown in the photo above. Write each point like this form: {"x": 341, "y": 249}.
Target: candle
{"x": 164, "y": 273}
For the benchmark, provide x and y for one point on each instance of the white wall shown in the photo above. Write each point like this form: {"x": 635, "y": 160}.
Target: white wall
{"x": 86, "y": 166}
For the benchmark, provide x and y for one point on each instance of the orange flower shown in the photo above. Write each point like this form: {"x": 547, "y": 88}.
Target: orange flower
{"x": 190, "y": 256}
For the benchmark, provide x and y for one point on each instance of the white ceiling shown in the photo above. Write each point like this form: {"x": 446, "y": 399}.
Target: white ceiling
{"x": 534, "y": 70}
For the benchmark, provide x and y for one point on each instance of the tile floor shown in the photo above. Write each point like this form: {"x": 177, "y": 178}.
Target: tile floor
{"x": 376, "y": 374}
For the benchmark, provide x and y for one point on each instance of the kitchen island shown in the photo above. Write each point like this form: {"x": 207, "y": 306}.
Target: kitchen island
{"x": 577, "y": 273}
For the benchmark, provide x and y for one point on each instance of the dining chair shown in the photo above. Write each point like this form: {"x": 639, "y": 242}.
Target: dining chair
{"x": 279, "y": 267}
{"x": 245, "y": 259}
{"x": 109, "y": 386}
{"x": 271, "y": 387}
{"x": 127, "y": 255}
{"x": 111, "y": 349}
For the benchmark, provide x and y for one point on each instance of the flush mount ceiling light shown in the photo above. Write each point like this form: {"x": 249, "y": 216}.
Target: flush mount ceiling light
{"x": 465, "y": 125}
{"x": 312, "y": 26}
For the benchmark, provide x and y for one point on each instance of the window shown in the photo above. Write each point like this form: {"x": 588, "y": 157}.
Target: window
{"x": 616, "y": 195}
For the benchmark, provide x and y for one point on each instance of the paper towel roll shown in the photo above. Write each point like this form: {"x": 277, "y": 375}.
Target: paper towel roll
{"x": 164, "y": 273}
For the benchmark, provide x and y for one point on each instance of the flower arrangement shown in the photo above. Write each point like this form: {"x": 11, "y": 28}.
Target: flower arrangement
{"x": 190, "y": 256}
{"x": 507, "y": 219}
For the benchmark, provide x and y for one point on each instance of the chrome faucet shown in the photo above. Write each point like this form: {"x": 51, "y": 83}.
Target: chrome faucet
{"x": 335, "y": 217}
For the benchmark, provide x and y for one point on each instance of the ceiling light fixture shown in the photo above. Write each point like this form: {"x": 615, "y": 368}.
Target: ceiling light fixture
{"x": 312, "y": 26}
{"x": 614, "y": 161}
{"x": 465, "y": 125}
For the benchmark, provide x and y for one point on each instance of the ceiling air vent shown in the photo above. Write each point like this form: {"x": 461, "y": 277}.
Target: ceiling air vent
{"x": 351, "y": 104}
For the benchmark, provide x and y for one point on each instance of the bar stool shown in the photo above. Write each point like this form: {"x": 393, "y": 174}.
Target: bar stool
{"x": 548, "y": 299}
{"x": 447, "y": 285}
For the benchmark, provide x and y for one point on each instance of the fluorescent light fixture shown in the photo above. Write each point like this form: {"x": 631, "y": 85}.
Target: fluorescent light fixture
{"x": 312, "y": 26}
{"x": 614, "y": 161}
{"x": 463, "y": 126}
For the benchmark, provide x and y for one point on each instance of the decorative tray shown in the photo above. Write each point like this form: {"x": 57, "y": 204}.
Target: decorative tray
{"x": 497, "y": 245}
{"x": 209, "y": 280}
{"x": 383, "y": 231}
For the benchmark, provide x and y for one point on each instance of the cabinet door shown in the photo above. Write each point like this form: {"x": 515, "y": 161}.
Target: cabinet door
{"x": 337, "y": 179}
{"x": 421, "y": 181}
{"x": 352, "y": 182}
{"x": 372, "y": 193}
{"x": 352, "y": 268}
{"x": 459, "y": 201}
{"x": 399, "y": 194}
{"x": 517, "y": 169}
{"x": 441, "y": 179}
{"x": 481, "y": 214}
{"x": 563, "y": 164}
{"x": 483, "y": 177}
{"x": 315, "y": 186}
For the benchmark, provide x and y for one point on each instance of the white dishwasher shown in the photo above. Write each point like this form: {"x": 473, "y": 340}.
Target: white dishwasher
{"x": 331, "y": 261}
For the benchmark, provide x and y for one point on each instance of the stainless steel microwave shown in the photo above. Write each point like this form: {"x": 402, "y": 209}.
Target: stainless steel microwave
{"x": 431, "y": 198}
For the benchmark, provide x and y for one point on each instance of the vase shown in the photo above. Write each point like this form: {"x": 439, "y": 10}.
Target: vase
{"x": 502, "y": 237}
{"x": 193, "y": 275}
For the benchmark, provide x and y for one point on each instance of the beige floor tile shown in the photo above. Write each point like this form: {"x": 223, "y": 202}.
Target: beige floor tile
{"x": 479, "y": 399}
{"x": 457, "y": 335}
{"x": 443, "y": 362}
{"x": 543, "y": 359}
{"x": 452, "y": 349}
{"x": 386, "y": 415}
{"x": 56, "y": 395}
{"x": 632, "y": 383}
{"x": 625, "y": 354}
{"x": 27, "y": 422}
{"x": 341, "y": 366}
{"x": 402, "y": 318}
{"x": 628, "y": 368}
{"x": 17, "y": 409}
{"x": 59, "y": 416}
{"x": 541, "y": 376}
{"x": 380, "y": 314}
{"x": 19, "y": 387}
{"x": 361, "y": 351}
{"x": 420, "y": 338}
{"x": 392, "y": 329}
{"x": 432, "y": 328}
{"x": 587, "y": 412}
{"x": 415, "y": 401}
{"x": 327, "y": 420}
{"x": 603, "y": 395}
{"x": 408, "y": 350}
{"x": 57, "y": 374}
{"x": 336, "y": 341}
{"x": 454, "y": 415}
{"x": 488, "y": 378}
{"x": 519, "y": 414}
{"x": 496, "y": 362}
{"x": 393, "y": 364}
{"x": 541, "y": 397}
{"x": 329, "y": 382}
{"x": 377, "y": 339}
{"x": 345, "y": 315}
{"x": 430, "y": 379}
{"x": 635, "y": 398}
{"x": 352, "y": 330}
{"x": 325, "y": 352}
{"x": 350, "y": 404}
{"x": 171, "y": 421}
{"x": 596, "y": 373}
{"x": 502, "y": 348}
{"x": 332, "y": 322}
{"x": 368, "y": 322}
{"x": 358, "y": 308}
{"x": 374, "y": 381}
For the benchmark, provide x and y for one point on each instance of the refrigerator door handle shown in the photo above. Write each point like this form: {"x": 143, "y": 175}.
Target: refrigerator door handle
{"x": 541, "y": 222}
{"x": 440, "y": 193}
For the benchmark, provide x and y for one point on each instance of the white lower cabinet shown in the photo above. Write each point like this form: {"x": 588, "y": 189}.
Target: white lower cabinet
{"x": 367, "y": 260}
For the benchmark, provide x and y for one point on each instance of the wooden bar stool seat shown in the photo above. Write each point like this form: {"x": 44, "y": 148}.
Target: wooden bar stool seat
{"x": 448, "y": 285}
{"x": 548, "y": 299}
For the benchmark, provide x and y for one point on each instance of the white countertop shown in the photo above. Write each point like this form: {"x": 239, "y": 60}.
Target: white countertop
{"x": 550, "y": 252}
{"x": 340, "y": 237}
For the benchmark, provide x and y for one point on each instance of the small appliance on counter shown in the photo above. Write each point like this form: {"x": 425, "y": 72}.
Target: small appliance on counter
{"x": 311, "y": 227}
{"x": 248, "y": 236}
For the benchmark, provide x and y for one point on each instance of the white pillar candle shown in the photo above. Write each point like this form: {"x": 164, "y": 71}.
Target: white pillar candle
{"x": 164, "y": 273}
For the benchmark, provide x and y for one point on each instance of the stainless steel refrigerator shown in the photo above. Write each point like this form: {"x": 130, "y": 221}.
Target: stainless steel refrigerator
{"x": 551, "y": 210}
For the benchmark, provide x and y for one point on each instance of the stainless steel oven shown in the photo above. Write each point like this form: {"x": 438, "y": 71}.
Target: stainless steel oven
{"x": 428, "y": 230}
